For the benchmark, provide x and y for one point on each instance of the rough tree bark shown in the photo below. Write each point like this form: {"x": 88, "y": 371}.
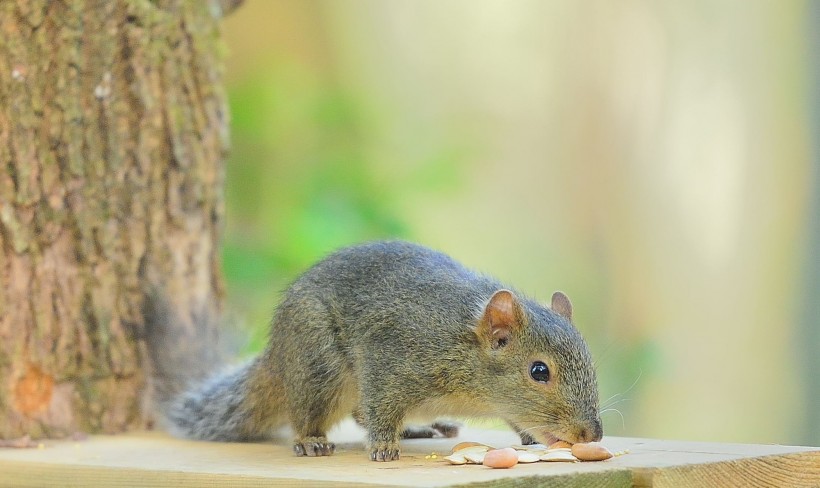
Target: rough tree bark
{"x": 112, "y": 139}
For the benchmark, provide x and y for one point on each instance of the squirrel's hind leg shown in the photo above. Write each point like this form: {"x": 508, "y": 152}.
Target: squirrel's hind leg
{"x": 311, "y": 423}
{"x": 311, "y": 418}
{"x": 317, "y": 400}
{"x": 319, "y": 386}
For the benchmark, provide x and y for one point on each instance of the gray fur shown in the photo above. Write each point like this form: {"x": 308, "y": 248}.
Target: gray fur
{"x": 387, "y": 328}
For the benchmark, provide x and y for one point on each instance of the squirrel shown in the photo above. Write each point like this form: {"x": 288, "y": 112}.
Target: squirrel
{"x": 388, "y": 331}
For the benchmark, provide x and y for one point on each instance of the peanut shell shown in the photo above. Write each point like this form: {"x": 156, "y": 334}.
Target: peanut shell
{"x": 528, "y": 457}
{"x": 558, "y": 455}
{"x": 466, "y": 444}
{"x": 474, "y": 457}
{"x": 456, "y": 459}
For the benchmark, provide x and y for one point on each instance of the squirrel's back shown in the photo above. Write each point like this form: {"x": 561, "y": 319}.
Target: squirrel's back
{"x": 395, "y": 290}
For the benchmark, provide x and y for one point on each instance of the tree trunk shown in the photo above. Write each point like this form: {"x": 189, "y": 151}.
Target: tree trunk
{"x": 112, "y": 139}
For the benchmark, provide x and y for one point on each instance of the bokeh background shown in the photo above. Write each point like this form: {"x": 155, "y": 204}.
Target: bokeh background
{"x": 651, "y": 159}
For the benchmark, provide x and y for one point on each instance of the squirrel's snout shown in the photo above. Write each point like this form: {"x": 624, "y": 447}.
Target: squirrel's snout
{"x": 591, "y": 432}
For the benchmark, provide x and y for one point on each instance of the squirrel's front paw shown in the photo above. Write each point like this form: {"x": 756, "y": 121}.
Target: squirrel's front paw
{"x": 384, "y": 451}
{"x": 313, "y": 446}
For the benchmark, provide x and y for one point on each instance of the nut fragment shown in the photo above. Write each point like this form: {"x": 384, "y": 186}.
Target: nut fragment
{"x": 465, "y": 445}
{"x": 501, "y": 458}
{"x": 558, "y": 455}
{"x": 528, "y": 457}
{"x": 479, "y": 448}
{"x": 474, "y": 457}
{"x": 456, "y": 459}
{"x": 529, "y": 447}
{"x": 591, "y": 451}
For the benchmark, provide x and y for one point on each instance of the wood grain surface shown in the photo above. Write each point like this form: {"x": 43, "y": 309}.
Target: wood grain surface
{"x": 155, "y": 459}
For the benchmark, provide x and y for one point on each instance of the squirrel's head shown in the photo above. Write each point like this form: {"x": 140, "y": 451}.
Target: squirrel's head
{"x": 543, "y": 376}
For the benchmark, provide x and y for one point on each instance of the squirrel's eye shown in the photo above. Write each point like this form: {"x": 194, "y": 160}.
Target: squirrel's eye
{"x": 540, "y": 372}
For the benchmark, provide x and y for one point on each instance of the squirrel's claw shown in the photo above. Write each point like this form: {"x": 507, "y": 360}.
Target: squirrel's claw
{"x": 385, "y": 451}
{"x": 313, "y": 446}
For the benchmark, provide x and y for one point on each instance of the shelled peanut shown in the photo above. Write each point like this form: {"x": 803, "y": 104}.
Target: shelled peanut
{"x": 591, "y": 451}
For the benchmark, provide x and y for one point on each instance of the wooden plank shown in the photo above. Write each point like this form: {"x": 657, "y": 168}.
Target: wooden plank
{"x": 663, "y": 464}
{"x": 782, "y": 470}
{"x": 154, "y": 459}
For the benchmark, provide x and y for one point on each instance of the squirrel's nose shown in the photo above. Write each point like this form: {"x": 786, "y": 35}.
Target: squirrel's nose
{"x": 592, "y": 432}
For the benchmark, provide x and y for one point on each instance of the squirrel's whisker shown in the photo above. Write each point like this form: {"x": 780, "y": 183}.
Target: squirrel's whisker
{"x": 611, "y": 398}
{"x": 640, "y": 373}
{"x": 612, "y": 404}
{"x": 623, "y": 422}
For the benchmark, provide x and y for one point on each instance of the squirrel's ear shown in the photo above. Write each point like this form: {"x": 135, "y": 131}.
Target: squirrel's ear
{"x": 562, "y": 305}
{"x": 501, "y": 318}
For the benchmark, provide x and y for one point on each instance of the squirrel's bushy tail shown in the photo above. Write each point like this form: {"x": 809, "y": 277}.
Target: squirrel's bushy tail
{"x": 195, "y": 395}
{"x": 218, "y": 409}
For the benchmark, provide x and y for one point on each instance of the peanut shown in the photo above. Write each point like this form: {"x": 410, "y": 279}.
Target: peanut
{"x": 501, "y": 458}
{"x": 560, "y": 445}
{"x": 591, "y": 451}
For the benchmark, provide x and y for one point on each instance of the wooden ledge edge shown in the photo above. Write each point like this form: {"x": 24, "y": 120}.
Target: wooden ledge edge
{"x": 795, "y": 470}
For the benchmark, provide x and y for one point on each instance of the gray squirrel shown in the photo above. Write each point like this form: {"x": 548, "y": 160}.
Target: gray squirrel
{"x": 388, "y": 331}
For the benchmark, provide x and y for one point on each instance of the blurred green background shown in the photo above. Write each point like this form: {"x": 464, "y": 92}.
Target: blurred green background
{"x": 651, "y": 159}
